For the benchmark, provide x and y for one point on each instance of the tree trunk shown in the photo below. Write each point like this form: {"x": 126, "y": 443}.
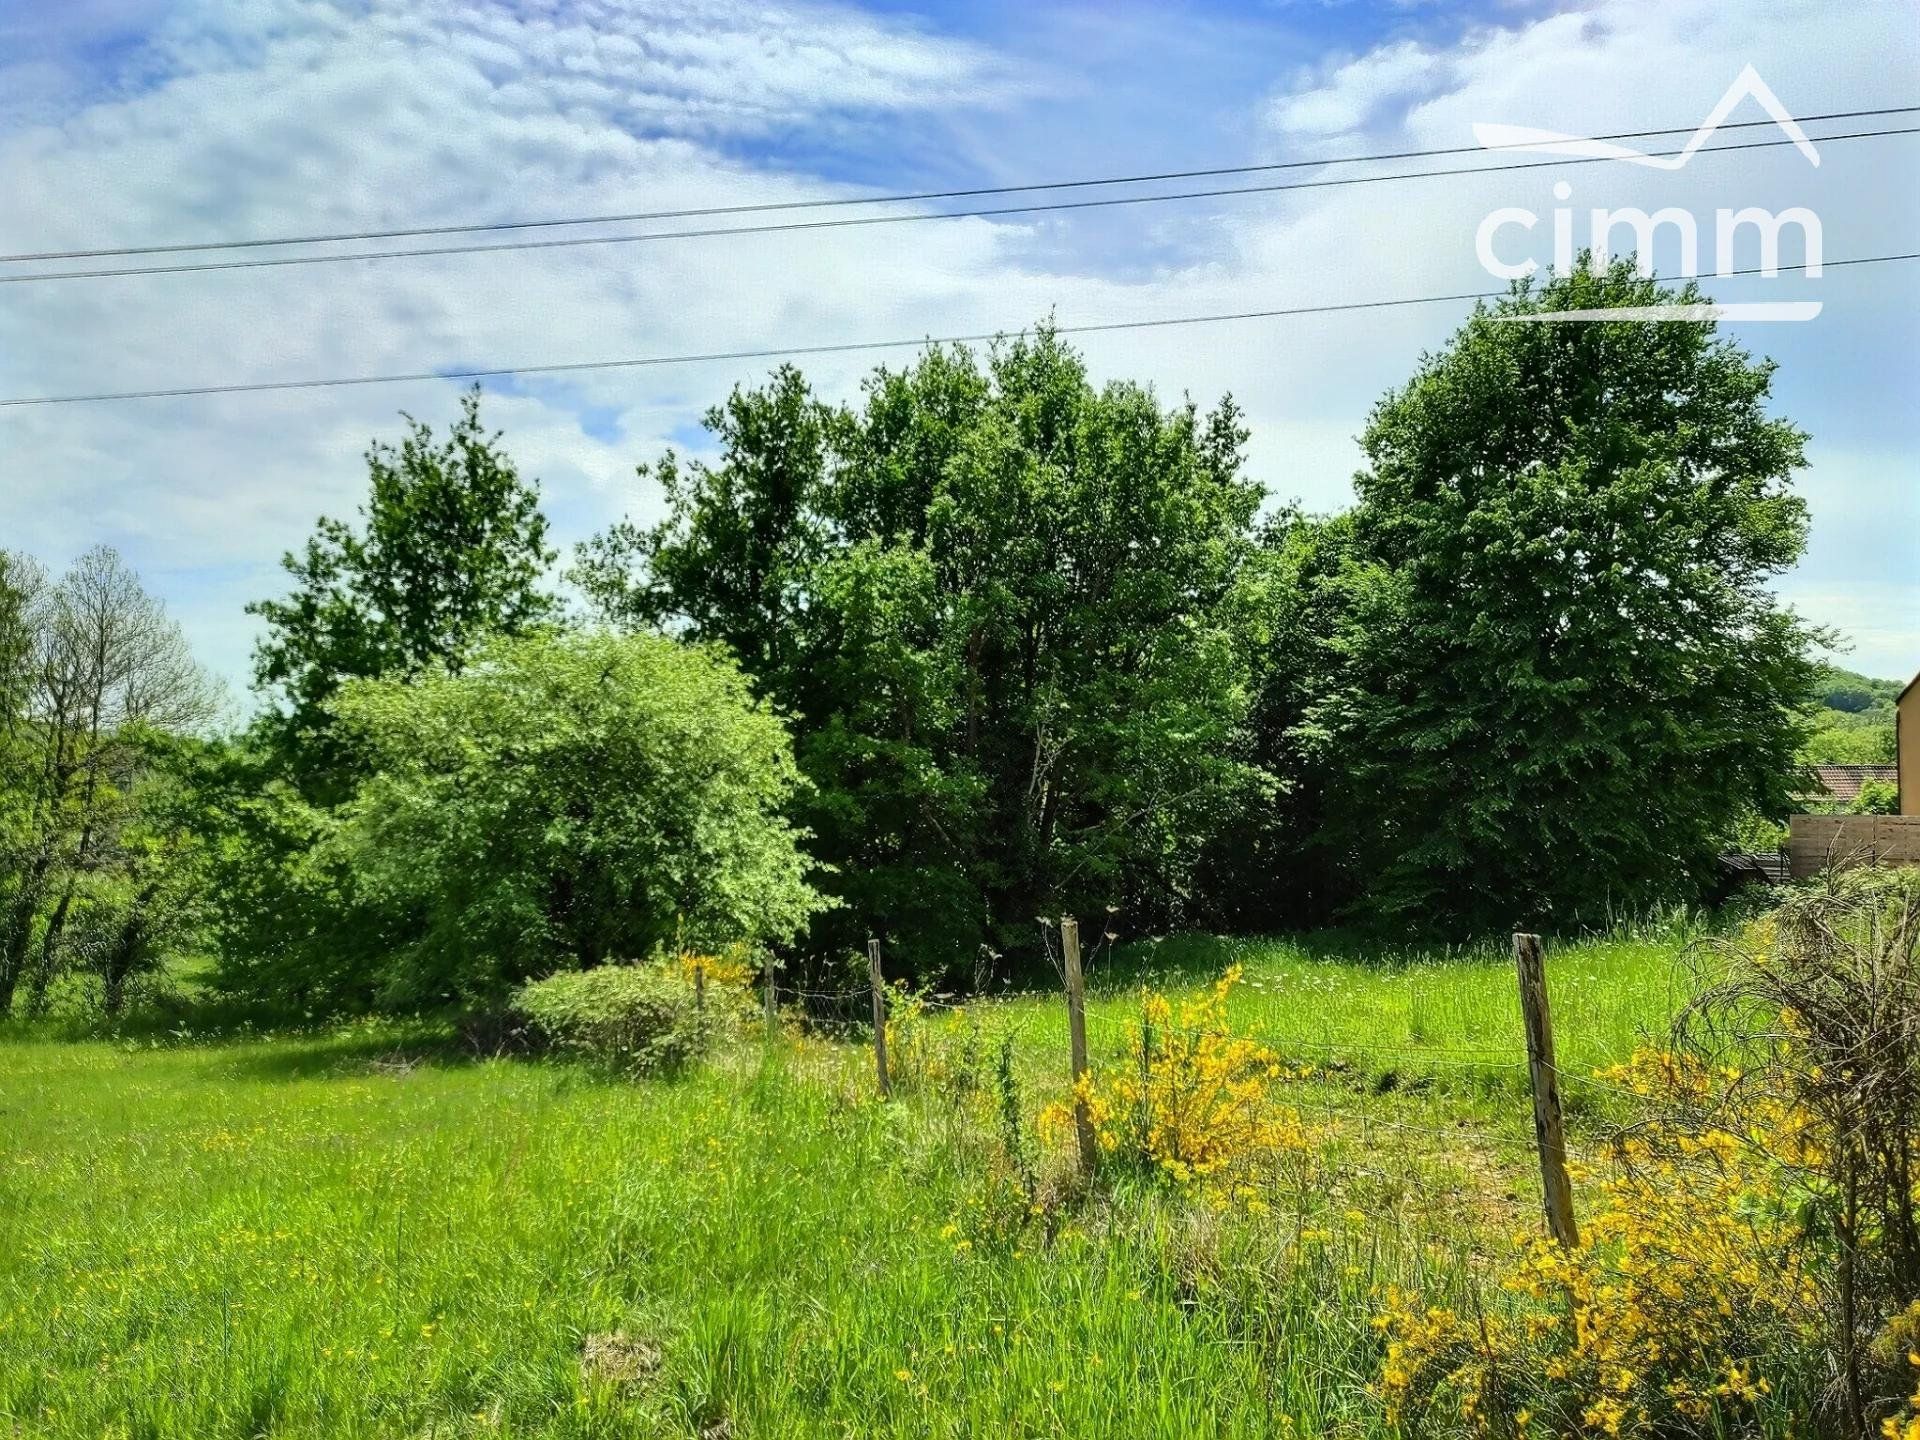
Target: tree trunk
{"x": 42, "y": 977}
{"x": 114, "y": 993}
{"x": 16, "y": 937}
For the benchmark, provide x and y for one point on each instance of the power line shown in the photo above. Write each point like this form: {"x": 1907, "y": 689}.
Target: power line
{"x": 792, "y": 351}
{"x": 787, "y": 227}
{"x": 771, "y": 206}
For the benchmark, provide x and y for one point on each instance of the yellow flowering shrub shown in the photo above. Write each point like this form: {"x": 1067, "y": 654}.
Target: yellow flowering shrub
{"x": 1441, "y": 1366}
{"x": 1689, "y": 1299}
{"x": 1192, "y": 1101}
{"x": 732, "y": 967}
{"x": 1904, "y": 1424}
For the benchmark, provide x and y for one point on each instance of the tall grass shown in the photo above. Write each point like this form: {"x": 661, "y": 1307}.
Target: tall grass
{"x": 1450, "y": 1019}
{"x": 313, "y": 1235}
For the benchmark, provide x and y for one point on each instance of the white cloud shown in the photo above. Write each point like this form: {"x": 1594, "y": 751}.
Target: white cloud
{"x": 315, "y": 114}
{"x": 1349, "y": 96}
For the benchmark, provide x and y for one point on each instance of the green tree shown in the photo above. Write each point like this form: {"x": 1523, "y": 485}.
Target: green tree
{"x": 97, "y": 668}
{"x": 731, "y": 560}
{"x": 150, "y": 901}
{"x": 451, "y": 550}
{"x": 997, "y": 600}
{"x": 1271, "y": 861}
{"x": 22, "y": 764}
{"x": 284, "y": 920}
{"x": 563, "y": 801}
{"x": 1876, "y": 797}
{"x": 1559, "y": 674}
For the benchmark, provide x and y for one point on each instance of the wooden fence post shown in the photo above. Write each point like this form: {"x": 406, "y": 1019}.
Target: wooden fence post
{"x": 1549, "y": 1133}
{"x": 1077, "y": 1038}
{"x": 769, "y": 1003}
{"x": 699, "y": 985}
{"x": 879, "y": 984}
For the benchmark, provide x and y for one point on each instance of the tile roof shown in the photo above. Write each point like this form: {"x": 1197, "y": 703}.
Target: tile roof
{"x": 1843, "y": 782}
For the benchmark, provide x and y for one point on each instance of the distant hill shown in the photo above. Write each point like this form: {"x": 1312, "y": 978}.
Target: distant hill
{"x": 1854, "y": 693}
{"x": 1853, "y": 719}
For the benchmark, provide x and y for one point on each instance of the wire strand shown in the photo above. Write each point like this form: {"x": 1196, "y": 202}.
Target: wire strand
{"x": 783, "y": 206}
{"x": 792, "y": 351}
{"x": 789, "y": 227}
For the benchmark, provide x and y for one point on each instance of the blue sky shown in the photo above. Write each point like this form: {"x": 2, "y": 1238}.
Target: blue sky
{"x": 132, "y": 121}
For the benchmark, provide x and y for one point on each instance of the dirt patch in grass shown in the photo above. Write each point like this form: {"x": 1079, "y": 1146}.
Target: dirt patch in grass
{"x": 617, "y": 1358}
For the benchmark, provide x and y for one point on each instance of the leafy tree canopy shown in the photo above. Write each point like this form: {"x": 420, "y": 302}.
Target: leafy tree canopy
{"x": 1558, "y": 673}
{"x": 562, "y": 801}
{"x": 999, "y": 602}
{"x": 451, "y": 550}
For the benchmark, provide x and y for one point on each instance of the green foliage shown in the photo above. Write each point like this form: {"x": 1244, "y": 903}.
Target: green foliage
{"x": 565, "y": 800}
{"x": 1558, "y": 673}
{"x": 1853, "y": 719}
{"x": 1838, "y": 738}
{"x": 152, "y": 905}
{"x": 96, "y": 686}
{"x": 451, "y": 550}
{"x": 1850, "y": 691}
{"x": 999, "y": 603}
{"x": 288, "y": 929}
{"x": 638, "y": 1018}
{"x": 1876, "y": 797}
{"x": 1752, "y": 834}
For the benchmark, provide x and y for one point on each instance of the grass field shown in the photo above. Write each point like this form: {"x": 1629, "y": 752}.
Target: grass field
{"x": 360, "y": 1233}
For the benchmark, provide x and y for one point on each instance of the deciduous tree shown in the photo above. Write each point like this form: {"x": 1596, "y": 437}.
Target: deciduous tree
{"x": 451, "y": 550}
{"x": 995, "y": 598}
{"x": 564, "y": 801}
{"x": 1558, "y": 672}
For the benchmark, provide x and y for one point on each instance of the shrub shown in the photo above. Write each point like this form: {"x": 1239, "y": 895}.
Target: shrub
{"x": 1753, "y": 1264}
{"x": 1819, "y": 1005}
{"x": 1193, "y": 1101}
{"x": 566, "y": 800}
{"x": 1876, "y": 797}
{"x": 732, "y": 966}
{"x": 1689, "y": 1305}
{"x": 642, "y": 1019}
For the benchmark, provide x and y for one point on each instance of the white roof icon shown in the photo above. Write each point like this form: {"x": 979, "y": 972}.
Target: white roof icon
{"x": 1551, "y": 142}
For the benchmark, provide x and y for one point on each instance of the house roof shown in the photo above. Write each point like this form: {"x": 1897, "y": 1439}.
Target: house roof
{"x": 1843, "y": 782}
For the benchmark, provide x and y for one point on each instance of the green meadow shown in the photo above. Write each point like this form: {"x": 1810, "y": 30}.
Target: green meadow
{"x": 369, "y": 1231}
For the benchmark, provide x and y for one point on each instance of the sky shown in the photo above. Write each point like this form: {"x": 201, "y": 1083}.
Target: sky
{"x": 135, "y": 122}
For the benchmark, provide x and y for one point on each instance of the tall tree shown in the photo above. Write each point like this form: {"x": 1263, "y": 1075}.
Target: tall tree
{"x": 1558, "y": 673}
{"x": 451, "y": 550}
{"x": 23, "y": 588}
{"x": 731, "y": 560}
{"x": 995, "y": 598}
{"x": 106, "y": 667}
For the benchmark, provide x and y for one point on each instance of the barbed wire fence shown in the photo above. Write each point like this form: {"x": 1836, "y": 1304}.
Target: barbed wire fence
{"x": 1354, "y": 1097}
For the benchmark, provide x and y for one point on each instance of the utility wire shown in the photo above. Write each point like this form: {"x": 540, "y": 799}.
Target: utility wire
{"x": 974, "y": 192}
{"x": 789, "y": 351}
{"x": 787, "y": 227}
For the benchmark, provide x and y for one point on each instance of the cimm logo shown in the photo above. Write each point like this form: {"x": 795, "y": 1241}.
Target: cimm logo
{"x": 1603, "y": 223}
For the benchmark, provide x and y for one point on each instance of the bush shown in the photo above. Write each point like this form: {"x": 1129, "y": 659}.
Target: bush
{"x": 1689, "y": 1306}
{"x": 565, "y": 801}
{"x": 1876, "y": 797}
{"x": 1192, "y": 1101}
{"x": 642, "y": 1019}
{"x": 1752, "y": 1266}
{"x": 1819, "y": 1007}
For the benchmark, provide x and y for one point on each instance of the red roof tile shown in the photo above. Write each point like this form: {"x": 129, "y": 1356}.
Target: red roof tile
{"x": 1843, "y": 782}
